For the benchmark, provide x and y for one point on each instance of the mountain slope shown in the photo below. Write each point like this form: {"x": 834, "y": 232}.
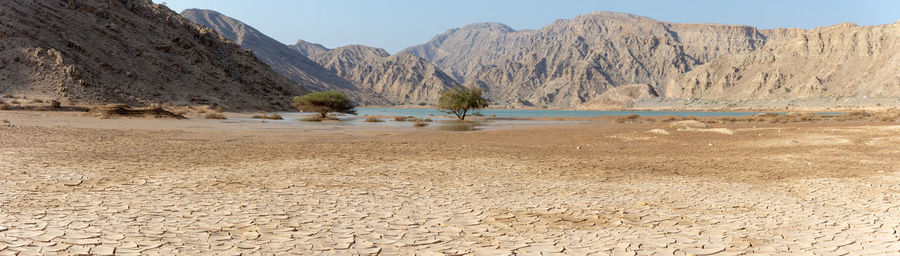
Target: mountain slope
{"x": 133, "y": 52}
{"x": 280, "y": 57}
{"x": 843, "y": 60}
{"x": 572, "y": 61}
{"x": 401, "y": 78}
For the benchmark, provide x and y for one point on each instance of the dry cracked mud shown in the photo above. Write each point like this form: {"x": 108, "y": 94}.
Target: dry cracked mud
{"x": 173, "y": 187}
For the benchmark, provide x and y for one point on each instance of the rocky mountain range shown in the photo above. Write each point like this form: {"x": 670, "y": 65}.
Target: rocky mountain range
{"x": 129, "y": 51}
{"x": 402, "y": 78}
{"x": 843, "y": 60}
{"x": 369, "y": 75}
{"x": 572, "y": 61}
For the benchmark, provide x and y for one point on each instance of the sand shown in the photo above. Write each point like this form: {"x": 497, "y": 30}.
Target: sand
{"x": 82, "y": 185}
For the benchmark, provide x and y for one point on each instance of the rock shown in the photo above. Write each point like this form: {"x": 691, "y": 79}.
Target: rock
{"x": 688, "y": 124}
{"x": 659, "y": 131}
{"x": 620, "y": 97}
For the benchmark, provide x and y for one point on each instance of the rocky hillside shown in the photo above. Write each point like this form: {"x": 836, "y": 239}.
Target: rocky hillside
{"x": 843, "y": 60}
{"x": 133, "y": 52}
{"x": 280, "y": 57}
{"x": 401, "y": 78}
{"x": 572, "y": 61}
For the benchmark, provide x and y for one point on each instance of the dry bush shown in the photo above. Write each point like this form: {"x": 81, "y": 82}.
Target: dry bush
{"x": 8, "y": 96}
{"x": 373, "y": 119}
{"x": 14, "y": 102}
{"x": 41, "y": 108}
{"x": 629, "y": 117}
{"x": 669, "y": 118}
{"x": 37, "y": 101}
{"x": 4, "y": 106}
{"x": 219, "y": 109}
{"x": 400, "y": 118}
{"x": 215, "y": 115}
{"x": 5, "y": 121}
{"x": 428, "y": 120}
{"x": 420, "y": 124}
{"x": 273, "y": 116}
{"x": 122, "y": 110}
{"x": 55, "y": 104}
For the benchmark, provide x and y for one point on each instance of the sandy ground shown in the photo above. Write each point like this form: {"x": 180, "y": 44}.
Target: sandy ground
{"x": 79, "y": 185}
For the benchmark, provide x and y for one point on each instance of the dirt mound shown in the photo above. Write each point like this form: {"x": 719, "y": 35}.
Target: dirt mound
{"x": 121, "y": 110}
{"x": 688, "y": 124}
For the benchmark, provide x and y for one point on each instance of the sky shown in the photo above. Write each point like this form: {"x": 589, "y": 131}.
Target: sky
{"x": 397, "y": 24}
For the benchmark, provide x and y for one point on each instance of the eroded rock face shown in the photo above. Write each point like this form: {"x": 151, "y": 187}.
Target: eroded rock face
{"x": 572, "y": 61}
{"x": 836, "y": 61}
{"x": 133, "y": 52}
{"x": 401, "y": 79}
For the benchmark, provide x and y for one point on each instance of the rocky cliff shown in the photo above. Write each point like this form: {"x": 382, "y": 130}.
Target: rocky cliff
{"x": 132, "y": 52}
{"x": 401, "y": 78}
{"x": 280, "y": 57}
{"x": 572, "y": 61}
{"x": 843, "y": 60}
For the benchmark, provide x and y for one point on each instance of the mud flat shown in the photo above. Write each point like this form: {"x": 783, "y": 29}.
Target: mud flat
{"x": 81, "y": 185}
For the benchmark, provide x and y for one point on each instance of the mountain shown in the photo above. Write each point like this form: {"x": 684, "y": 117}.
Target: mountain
{"x": 843, "y": 60}
{"x": 402, "y": 78}
{"x": 133, "y": 52}
{"x": 572, "y": 61}
{"x": 368, "y": 75}
{"x": 280, "y": 57}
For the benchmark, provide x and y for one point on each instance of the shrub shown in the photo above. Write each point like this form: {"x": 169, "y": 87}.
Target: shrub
{"x": 428, "y": 120}
{"x": 14, "y": 102}
{"x": 37, "y": 101}
{"x": 373, "y": 119}
{"x": 41, "y": 108}
{"x": 4, "y": 106}
{"x": 669, "y": 118}
{"x": 5, "y": 121}
{"x": 400, "y": 118}
{"x": 55, "y": 104}
{"x": 215, "y": 116}
{"x": 273, "y": 116}
{"x": 420, "y": 124}
{"x": 219, "y": 109}
{"x": 7, "y": 96}
{"x": 324, "y": 103}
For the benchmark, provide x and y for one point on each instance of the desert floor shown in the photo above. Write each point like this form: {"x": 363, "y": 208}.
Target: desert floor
{"x": 81, "y": 185}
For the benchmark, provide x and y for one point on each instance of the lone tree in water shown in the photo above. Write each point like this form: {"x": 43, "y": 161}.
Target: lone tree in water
{"x": 461, "y": 102}
{"x": 324, "y": 103}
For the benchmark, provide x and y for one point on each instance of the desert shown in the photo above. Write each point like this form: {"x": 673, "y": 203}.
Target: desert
{"x": 624, "y": 128}
{"x": 83, "y": 185}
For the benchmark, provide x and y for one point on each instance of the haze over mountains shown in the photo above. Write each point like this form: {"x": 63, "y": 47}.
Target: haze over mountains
{"x": 137, "y": 52}
{"x": 133, "y": 52}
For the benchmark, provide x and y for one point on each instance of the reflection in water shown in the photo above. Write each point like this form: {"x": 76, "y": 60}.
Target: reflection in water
{"x": 458, "y": 126}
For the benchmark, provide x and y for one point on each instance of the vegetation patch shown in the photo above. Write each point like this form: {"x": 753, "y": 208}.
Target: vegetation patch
{"x": 121, "y": 110}
{"x": 273, "y": 116}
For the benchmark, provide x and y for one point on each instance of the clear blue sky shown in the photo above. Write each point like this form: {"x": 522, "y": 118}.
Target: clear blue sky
{"x": 397, "y": 24}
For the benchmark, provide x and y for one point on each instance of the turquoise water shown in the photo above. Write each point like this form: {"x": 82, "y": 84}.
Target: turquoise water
{"x": 501, "y": 113}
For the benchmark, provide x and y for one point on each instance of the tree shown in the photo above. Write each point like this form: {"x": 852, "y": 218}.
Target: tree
{"x": 461, "y": 101}
{"x": 324, "y": 103}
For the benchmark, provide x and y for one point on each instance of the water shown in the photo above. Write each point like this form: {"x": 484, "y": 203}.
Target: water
{"x": 520, "y": 113}
{"x": 445, "y": 123}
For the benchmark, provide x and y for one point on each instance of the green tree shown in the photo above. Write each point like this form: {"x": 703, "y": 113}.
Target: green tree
{"x": 461, "y": 101}
{"x": 324, "y": 103}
